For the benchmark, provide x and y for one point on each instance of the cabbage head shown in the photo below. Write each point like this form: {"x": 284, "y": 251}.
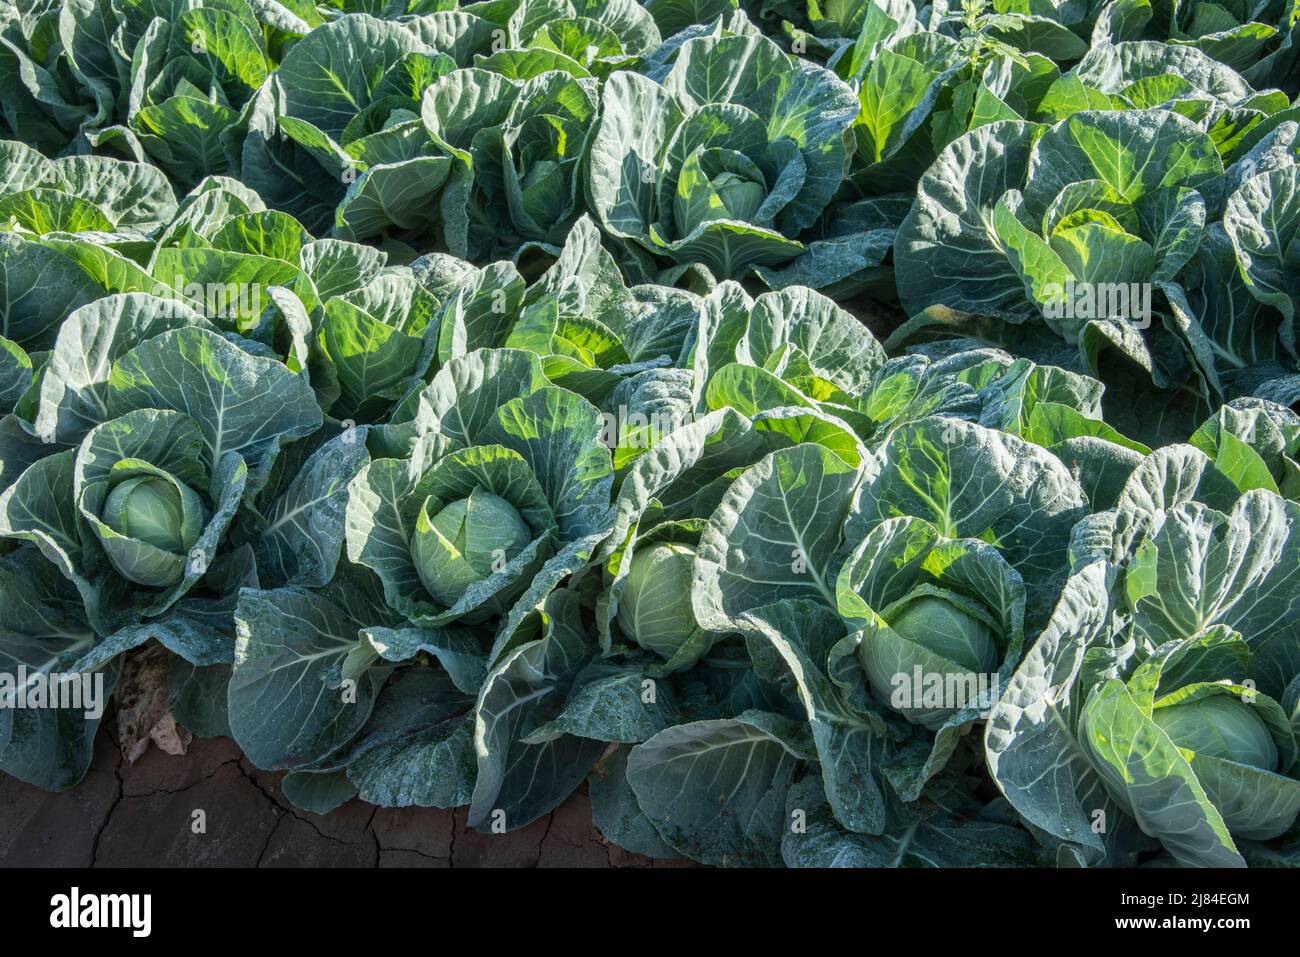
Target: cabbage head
{"x": 1220, "y": 726}
{"x": 464, "y": 541}
{"x": 159, "y": 515}
{"x": 655, "y": 607}
{"x": 935, "y": 622}
{"x": 943, "y": 634}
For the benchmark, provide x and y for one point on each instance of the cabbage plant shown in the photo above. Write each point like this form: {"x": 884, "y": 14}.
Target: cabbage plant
{"x": 1230, "y": 748}
{"x": 169, "y": 81}
{"x": 1168, "y": 674}
{"x": 505, "y": 488}
{"x": 1058, "y": 226}
{"x": 453, "y": 550}
{"x": 137, "y": 517}
{"x": 156, "y": 473}
{"x": 116, "y": 201}
{"x": 724, "y": 172}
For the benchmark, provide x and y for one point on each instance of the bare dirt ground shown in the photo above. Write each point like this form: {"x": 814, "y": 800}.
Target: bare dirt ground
{"x": 143, "y": 815}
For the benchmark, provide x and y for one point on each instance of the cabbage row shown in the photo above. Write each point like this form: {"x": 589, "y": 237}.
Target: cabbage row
{"x": 458, "y": 405}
